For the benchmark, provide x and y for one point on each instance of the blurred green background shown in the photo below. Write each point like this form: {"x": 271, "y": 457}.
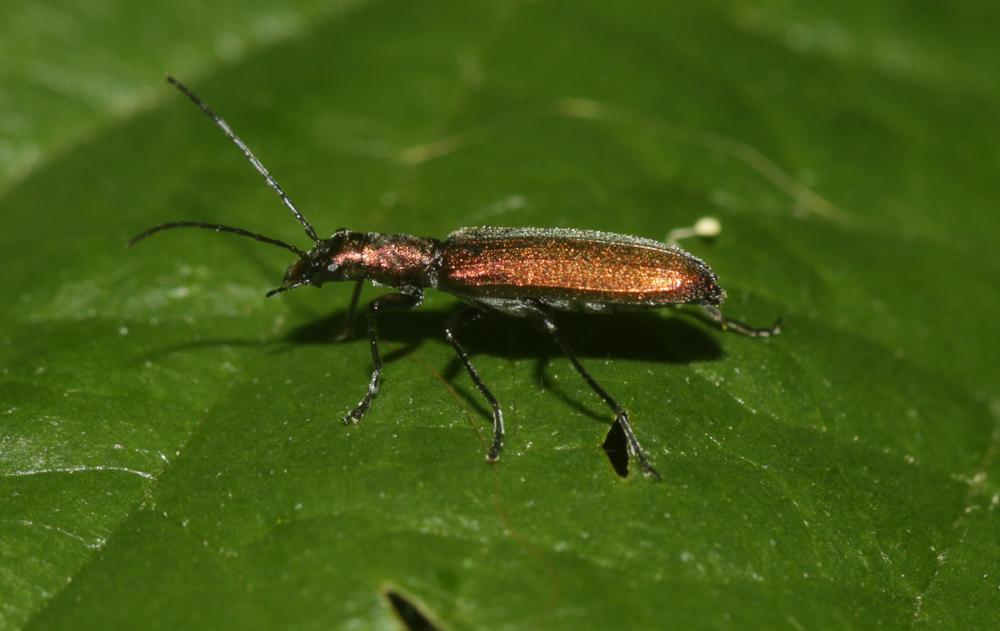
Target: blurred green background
{"x": 171, "y": 452}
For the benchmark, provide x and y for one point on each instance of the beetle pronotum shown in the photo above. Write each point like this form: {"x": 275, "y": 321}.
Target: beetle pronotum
{"x": 524, "y": 272}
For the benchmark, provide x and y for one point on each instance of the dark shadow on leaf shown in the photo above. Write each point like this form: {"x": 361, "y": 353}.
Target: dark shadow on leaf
{"x": 411, "y": 617}
{"x": 616, "y": 449}
{"x": 641, "y": 335}
{"x": 644, "y": 335}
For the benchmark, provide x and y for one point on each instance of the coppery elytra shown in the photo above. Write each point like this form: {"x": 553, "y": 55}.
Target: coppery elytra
{"x": 524, "y": 272}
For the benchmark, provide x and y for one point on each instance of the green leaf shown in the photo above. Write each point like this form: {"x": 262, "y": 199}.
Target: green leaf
{"x": 171, "y": 451}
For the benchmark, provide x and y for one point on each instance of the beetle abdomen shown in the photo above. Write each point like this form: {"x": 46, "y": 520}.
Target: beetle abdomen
{"x": 572, "y": 267}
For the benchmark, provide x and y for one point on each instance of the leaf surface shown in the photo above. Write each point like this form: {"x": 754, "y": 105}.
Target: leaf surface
{"x": 171, "y": 451}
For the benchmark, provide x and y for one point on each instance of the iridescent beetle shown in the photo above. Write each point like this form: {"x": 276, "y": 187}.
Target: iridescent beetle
{"x": 524, "y": 272}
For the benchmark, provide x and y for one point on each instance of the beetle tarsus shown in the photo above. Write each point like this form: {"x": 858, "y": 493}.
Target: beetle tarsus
{"x": 635, "y": 450}
{"x": 354, "y": 416}
{"x": 494, "y": 453}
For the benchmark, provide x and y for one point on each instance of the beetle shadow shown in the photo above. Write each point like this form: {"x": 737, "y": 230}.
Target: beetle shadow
{"x": 609, "y": 336}
{"x": 639, "y": 336}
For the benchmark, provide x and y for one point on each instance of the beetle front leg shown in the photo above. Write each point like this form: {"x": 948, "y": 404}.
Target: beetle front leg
{"x": 410, "y": 300}
{"x": 736, "y": 326}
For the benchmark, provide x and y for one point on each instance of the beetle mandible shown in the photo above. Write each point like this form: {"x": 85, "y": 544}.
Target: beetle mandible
{"x": 523, "y": 272}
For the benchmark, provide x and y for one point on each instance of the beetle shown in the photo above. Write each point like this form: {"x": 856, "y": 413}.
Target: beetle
{"x": 524, "y": 272}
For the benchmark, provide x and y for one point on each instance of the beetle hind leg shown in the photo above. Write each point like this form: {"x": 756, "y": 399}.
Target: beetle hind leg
{"x": 727, "y": 324}
{"x": 635, "y": 450}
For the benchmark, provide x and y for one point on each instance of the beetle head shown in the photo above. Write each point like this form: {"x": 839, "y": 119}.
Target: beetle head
{"x": 335, "y": 259}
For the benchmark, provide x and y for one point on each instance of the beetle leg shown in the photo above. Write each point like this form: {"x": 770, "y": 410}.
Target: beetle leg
{"x": 449, "y": 332}
{"x": 736, "y": 326}
{"x": 410, "y": 300}
{"x": 621, "y": 416}
{"x": 347, "y": 328}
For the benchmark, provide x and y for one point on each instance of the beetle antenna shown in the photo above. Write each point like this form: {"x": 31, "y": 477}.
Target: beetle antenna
{"x": 218, "y": 228}
{"x": 310, "y": 232}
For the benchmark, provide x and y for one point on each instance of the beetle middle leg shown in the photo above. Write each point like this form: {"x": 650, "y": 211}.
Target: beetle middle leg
{"x": 451, "y": 324}
{"x": 621, "y": 416}
{"x": 408, "y": 300}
